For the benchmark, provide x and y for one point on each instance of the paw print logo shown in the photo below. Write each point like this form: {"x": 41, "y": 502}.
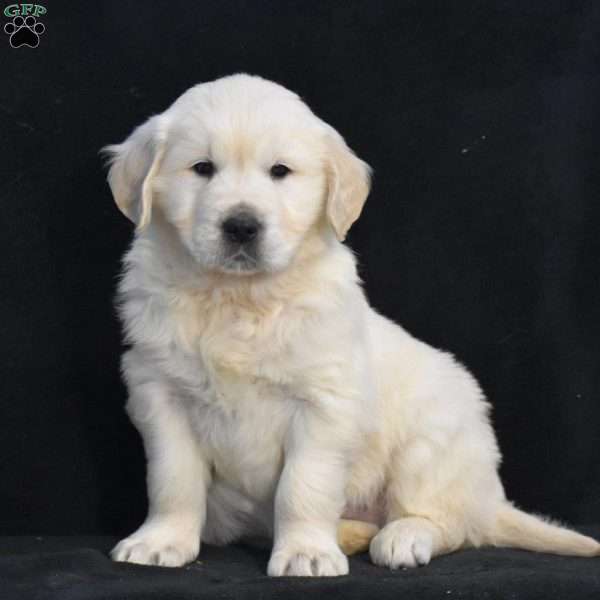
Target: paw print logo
{"x": 24, "y": 31}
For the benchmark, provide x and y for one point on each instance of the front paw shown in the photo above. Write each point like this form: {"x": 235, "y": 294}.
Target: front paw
{"x": 165, "y": 544}
{"x": 307, "y": 560}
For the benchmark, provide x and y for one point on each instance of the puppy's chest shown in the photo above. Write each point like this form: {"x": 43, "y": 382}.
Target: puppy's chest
{"x": 228, "y": 353}
{"x": 244, "y": 414}
{"x": 244, "y": 445}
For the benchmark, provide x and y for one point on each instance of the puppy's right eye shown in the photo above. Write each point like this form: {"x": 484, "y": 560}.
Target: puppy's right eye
{"x": 204, "y": 168}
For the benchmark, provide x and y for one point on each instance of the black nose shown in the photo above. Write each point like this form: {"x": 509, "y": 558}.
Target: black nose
{"x": 241, "y": 227}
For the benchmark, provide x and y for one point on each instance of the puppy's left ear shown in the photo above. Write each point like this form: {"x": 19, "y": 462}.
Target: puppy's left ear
{"x": 348, "y": 184}
{"x": 133, "y": 165}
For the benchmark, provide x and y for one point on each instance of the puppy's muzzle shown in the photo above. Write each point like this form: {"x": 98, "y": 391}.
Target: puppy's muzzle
{"x": 241, "y": 227}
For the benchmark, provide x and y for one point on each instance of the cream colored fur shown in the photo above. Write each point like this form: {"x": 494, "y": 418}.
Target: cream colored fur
{"x": 272, "y": 399}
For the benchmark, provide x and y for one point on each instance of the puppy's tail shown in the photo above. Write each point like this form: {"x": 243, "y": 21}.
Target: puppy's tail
{"x": 355, "y": 536}
{"x": 517, "y": 529}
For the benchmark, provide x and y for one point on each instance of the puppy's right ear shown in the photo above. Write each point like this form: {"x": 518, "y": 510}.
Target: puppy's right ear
{"x": 133, "y": 165}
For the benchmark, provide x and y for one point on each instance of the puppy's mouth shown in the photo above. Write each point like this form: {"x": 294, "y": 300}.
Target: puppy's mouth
{"x": 241, "y": 262}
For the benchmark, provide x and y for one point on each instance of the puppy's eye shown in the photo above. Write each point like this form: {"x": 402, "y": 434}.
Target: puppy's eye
{"x": 204, "y": 168}
{"x": 279, "y": 171}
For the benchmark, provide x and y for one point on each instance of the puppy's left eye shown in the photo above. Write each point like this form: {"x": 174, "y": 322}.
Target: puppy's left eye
{"x": 279, "y": 171}
{"x": 204, "y": 168}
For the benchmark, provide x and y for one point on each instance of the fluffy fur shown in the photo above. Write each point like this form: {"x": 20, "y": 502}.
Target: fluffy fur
{"x": 271, "y": 398}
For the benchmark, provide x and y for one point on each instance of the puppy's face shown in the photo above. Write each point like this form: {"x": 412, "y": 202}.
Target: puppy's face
{"x": 242, "y": 180}
{"x": 243, "y": 171}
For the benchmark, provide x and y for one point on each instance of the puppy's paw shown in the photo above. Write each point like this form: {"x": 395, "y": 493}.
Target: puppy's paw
{"x": 162, "y": 544}
{"x": 402, "y": 543}
{"x": 308, "y": 561}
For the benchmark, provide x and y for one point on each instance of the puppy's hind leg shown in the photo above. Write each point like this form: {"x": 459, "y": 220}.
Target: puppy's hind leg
{"x": 433, "y": 513}
{"x": 442, "y": 487}
{"x": 409, "y": 542}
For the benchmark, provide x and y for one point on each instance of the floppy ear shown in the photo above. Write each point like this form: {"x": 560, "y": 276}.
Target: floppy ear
{"x": 133, "y": 165}
{"x": 348, "y": 184}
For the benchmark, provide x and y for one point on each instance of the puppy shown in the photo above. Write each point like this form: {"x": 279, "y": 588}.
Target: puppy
{"x": 271, "y": 398}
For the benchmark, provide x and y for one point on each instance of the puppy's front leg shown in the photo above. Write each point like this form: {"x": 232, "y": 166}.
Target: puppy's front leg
{"x": 177, "y": 480}
{"x": 310, "y": 499}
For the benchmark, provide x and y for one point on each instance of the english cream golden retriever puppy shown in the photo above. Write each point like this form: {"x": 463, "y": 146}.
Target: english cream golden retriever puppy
{"x": 271, "y": 398}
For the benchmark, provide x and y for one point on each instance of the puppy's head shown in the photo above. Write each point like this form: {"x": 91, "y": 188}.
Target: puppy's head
{"x": 243, "y": 171}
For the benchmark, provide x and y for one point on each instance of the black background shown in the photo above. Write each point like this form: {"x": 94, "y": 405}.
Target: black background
{"x": 480, "y": 235}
